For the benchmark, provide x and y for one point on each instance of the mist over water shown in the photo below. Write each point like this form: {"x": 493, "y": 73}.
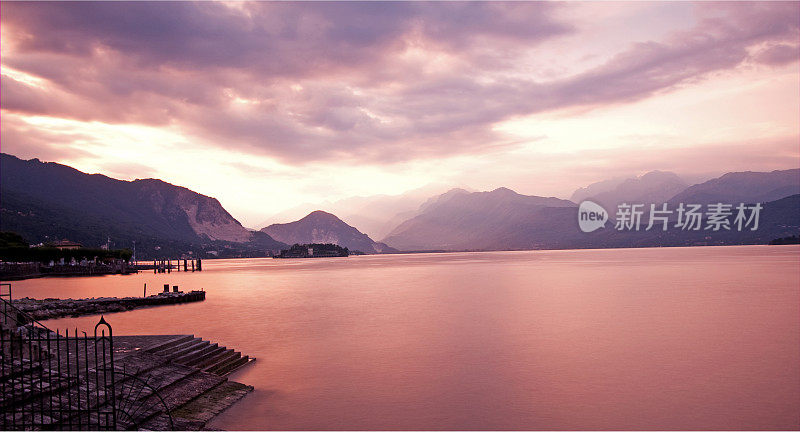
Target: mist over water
{"x": 662, "y": 338}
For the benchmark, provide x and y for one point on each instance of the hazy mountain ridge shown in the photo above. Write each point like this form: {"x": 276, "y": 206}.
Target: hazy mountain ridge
{"x": 652, "y": 187}
{"x": 44, "y": 201}
{"x": 374, "y": 215}
{"x": 746, "y": 186}
{"x": 323, "y": 227}
{"x": 463, "y": 220}
{"x": 596, "y": 188}
{"x": 503, "y": 219}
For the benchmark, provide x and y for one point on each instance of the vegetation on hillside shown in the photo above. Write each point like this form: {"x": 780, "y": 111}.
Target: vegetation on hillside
{"x": 15, "y": 249}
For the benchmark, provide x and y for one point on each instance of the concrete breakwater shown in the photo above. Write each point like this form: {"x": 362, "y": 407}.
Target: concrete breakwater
{"x": 55, "y": 308}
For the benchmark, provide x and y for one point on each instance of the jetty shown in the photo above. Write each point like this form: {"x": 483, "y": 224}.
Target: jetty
{"x": 56, "y": 308}
{"x": 167, "y": 265}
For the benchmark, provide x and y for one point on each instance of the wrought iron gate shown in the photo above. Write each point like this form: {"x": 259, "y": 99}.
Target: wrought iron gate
{"x": 55, "y": 381}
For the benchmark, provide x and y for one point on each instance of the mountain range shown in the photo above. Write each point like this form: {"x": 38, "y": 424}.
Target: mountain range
{"x": 49, "y": 201}
{"x": 745, "y": 186}
{"x": 45, "y": 201}
{"x": 374, "y": 215}
{"x": 502, "y": 219}
{"x": 649, "y": 188}
{"x": 459, "y": 220}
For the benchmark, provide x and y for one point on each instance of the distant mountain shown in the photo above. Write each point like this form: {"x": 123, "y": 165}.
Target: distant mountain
{"x": 49, "y": 201}
{"x": 653, "y": 187}
{"x": 322, "y": 227}
{"x": 505, "y": 220}
{"x": 459, "y": 220}
{"x": 377, "y": 215}
{"x": 597, "y": 188}
{"x": 374, "y": 215}
{"x": 747, "y": 187}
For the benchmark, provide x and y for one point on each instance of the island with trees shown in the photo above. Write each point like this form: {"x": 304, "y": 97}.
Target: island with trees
{"x": 314, "y": 250}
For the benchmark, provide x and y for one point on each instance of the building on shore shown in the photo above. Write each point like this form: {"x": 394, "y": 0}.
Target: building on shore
{"x": 66, "y": 245}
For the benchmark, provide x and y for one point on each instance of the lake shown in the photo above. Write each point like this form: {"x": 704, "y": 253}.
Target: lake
{"x": 661, "y": 338}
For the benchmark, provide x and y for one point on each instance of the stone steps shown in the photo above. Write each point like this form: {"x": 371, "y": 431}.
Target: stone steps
{"x": 188, "y": 373}
{"x": 221, "y": 358}
{"x": 196, "y": 360}
{"x": 210, "y": 358}
{"x": 169, "y": 352}
{"x": 188, "y": 348}
{"x": 196, "y": 352}
{"x": 226, "y": 368}
{"x": 172, "y": 342}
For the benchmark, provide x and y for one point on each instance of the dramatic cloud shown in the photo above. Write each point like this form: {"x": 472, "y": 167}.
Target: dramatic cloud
{"x": 389, "y": 86}
{"x": 355, "y": 82}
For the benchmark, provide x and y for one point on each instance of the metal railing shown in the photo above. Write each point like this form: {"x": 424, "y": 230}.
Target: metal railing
{"x": 55, "y": 381}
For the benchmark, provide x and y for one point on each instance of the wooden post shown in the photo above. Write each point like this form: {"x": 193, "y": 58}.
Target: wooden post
{"x": 199, "y": 265}
{"x": 144, "y": 294}
{"x": 155, "y": 267}
{"x": 192, "y": 265}
{"x": 184, "y": 265}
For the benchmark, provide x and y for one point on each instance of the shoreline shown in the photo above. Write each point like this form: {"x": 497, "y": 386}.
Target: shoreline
{"x": 139, "y": 269}
{"x": 11, "y": 271}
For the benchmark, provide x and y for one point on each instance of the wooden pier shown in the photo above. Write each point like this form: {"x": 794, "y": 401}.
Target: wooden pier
{"x": 167, "y": 265}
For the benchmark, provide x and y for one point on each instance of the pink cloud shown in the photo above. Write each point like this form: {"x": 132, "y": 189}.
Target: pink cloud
{"x": 185, "y": 64}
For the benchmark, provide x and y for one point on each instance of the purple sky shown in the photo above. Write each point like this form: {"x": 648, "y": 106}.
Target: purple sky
{"x": 268, "y": 105}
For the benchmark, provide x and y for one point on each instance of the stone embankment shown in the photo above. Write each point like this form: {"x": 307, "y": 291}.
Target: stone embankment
{"x": 57, "y": 308}
{"x": 19, "y": 271}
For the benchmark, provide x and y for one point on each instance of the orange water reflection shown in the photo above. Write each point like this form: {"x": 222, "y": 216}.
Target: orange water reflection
{"x": 669, "y": 338}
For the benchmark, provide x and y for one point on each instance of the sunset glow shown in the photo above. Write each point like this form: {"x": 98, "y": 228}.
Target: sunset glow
{"x": 269, "y": 105}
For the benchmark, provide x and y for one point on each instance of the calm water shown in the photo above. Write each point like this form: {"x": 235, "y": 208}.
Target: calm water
{"x": 692, "y": 338}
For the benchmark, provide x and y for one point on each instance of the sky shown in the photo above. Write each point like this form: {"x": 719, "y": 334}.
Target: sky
{"x": 268, "y": 105}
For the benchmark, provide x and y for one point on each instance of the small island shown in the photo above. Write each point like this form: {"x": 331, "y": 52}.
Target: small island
{"x": 314, "y": 250}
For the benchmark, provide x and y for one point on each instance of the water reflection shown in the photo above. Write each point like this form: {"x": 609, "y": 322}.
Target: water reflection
{"x": 670, "y": 338}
